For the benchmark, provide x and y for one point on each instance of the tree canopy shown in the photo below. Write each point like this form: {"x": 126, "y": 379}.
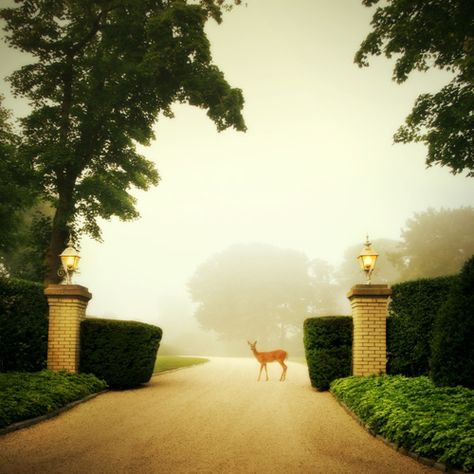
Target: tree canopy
{"x": 103, "y": 71}
{"x": 435, "y": 243}
{"x": 424, "y": 34}
{"x": 253, "y": 291}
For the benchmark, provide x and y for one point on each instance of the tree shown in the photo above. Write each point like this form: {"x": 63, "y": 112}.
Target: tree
{"x": 253, "y": 291}
{"x": 15, "y": 179}
{"x": 326, "y": 291}
{"x": 103, "y": 73}
{"x": 435, "y": 243}
{"x": 424, "y": 34}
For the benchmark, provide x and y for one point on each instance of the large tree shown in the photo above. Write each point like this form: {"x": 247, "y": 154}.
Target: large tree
{"x": 435, "y": 243}
{"x": 103, "y": 71}
{"x": 424, "y": 34}
{"x": 253, "y": 291}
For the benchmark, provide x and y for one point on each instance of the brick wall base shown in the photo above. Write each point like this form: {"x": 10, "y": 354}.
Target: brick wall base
{"x": 67, "y": 308}
{"x": 369, "y": 315}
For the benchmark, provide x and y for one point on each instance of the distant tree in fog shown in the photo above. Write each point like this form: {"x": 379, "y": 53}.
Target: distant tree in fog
{"x": 435, "y": 243}
{"x": 326, "y": 290}
{"x": 254, "y": 291}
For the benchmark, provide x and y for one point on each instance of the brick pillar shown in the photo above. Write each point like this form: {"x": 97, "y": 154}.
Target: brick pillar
{"x": 369, "y": 315}
{"x": 67, "y": 308}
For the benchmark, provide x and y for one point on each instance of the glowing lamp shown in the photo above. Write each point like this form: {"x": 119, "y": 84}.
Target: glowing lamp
{"x": 70, "y": 261}
{"x": 367, "y": 259}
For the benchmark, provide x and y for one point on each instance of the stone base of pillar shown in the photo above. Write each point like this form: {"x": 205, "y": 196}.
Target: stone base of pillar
{"x": 67, "y": 308}
{"x": 369, "y": 315}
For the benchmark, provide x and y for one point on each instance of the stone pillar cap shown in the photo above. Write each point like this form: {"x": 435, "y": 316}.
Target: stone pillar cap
{"x": 66, "y": 291}
{"x": 370, "y": 291}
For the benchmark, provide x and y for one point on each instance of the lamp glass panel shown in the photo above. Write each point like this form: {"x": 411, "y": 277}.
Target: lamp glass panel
{"x": 369, "y": 261}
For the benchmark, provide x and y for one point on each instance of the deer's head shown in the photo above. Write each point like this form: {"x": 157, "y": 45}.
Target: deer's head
{"x": 253, "y": 345}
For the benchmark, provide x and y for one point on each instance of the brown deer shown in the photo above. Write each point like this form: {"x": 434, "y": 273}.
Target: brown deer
{"x": 273, "y": 356}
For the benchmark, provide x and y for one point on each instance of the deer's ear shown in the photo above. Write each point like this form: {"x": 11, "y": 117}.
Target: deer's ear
{"x": 255, "y": 343}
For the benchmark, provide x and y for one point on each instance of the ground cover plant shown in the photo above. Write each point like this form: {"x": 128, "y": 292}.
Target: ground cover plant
{"x": 434, "y": 422}
{"x": 28, "y": 395}
{"x": 170, "y": 362}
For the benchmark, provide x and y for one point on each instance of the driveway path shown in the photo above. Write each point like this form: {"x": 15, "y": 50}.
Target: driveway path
{"x": 213, "y": 418}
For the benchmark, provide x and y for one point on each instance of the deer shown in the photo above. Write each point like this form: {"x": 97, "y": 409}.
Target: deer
{"x": 273, "y": 356}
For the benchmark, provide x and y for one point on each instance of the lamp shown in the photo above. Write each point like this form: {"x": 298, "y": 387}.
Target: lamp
{"x": 367, "y": 259}
{"x": 70, "y": 261}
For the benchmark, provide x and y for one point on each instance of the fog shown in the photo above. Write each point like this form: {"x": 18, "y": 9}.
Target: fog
{"x": 316, "y": 171}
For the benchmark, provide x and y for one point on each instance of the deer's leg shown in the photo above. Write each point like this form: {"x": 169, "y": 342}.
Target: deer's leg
{"x": 283, "y": 374}
{"x": 260, "y": 373}
{"x": 266, "y": 371}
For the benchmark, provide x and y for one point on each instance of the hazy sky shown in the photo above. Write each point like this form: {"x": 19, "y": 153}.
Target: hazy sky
{"x": 315, "y": 171}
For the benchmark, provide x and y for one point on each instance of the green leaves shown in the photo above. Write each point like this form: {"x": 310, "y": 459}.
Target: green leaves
{"x": 411, "y": 412}
{"x": 424, "y": 34}
{"x": 103, "y": 73}
{"x": 28, "y": 395}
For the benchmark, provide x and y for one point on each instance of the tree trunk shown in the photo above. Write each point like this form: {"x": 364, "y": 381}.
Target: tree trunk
{"x": 59, "y": 236}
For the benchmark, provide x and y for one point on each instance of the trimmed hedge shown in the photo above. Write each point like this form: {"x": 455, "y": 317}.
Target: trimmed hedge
{"x": 412, "y": 313}
{"x": 328, "y": 347}
{"x": 123, "y": 353}
{"x": 452, "y": 360}
{"x": 23, "y": 326}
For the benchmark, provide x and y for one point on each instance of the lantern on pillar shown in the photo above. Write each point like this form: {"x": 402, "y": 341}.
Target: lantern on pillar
{"x": 70, "y": 261}
{"x": 367, "y": 259}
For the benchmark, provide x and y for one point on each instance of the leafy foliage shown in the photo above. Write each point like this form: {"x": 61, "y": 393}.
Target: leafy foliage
{"x": 425, "y": 34}
{"x": 328, "y": 346}
{"x": 412, "y": 312}
{"x": 26, "y": 395}
{"x": 448, "y": 234}
{"x": 253, "y": 291}
{"x": 123, "y": 353}
{"x": 431, "y": 421}
{"x": 23, "y": 326}
{"x": 103, "y": 73}
{"x": 453, "y": 334}
{"x": 16, "y": 190}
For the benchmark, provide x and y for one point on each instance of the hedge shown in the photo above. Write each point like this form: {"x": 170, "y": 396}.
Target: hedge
{"x": 412, "y": 312}
{"x": 328, "y": 347}
{"x": 452, "y": 360}
{"x": 23, "y": 326}
{"x": 123, "y": 353}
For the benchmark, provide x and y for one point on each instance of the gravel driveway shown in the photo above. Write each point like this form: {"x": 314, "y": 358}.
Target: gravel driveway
{"x": 213, "y": 418}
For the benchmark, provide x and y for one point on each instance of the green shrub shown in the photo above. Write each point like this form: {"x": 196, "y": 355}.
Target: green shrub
{"x": 328, "y": 347}
{"x": 23, "y": 326}
{"x": 452, "y": 361}
{"x": 434, "y": 422}
{"x": 28, "y": 395}
{"x": 123, "y": 353}
{"x": 412, "y": 311}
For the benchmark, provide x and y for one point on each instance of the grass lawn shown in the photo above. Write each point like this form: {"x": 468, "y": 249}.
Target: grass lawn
{"x": 164, "y": 363}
